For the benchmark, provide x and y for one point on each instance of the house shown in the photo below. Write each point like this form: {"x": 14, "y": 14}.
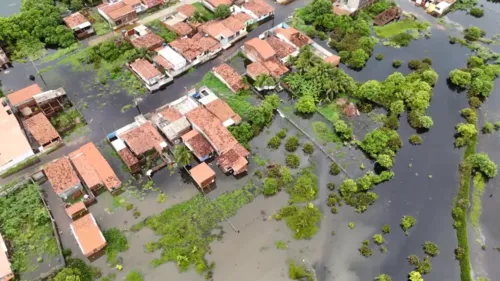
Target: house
{"x": 171, "y": 123}
{"x": 14, "y": 146}
{"x": 257, "y": 49}
{"x": 88, "y": 235}
{"x": 171, "y": 61}
{"x": 229, "y": 77}
{"x": 265, "y": 59}
{"x": 348, "y": 7}
{"x": 217, "y": 30}
{"x": 293, "y": 36}
{"x": 142, "y": 37}
{"x": 259, "y": 10}
{"x": 198, "y": 145}
{"x": 223, "y": 112}
{"x": 212, "y": 4}
{"x": 6, "y": 273}
{"x": 282, "y": 49}
{"x": 203, "y": 175}
{"x": 24, "y": 97}
{"x": 441, "y": 7}
{"x": 243, "y": 17}
{"x": 63, "y": 178}
{"x": 180, "y": 28}
{"x": 41, "y": 131}
{"x": 333, "y": 60}
{"x": 79, "y": 24}
{"x": 32, "y": 99}
{"x": 237, "y": 23}
{"x": 234, "y": 160}
{"x": 196, "y": 49}
{"x": 4, "y": 60}
{"x": 118, "y": 13}
{"x": 186, "y": 10}
{"x": 151, "y": 77}
{"x": 93, "y": 168}
{"x": 152, "y": 3}
{"x": 76, "y": 210}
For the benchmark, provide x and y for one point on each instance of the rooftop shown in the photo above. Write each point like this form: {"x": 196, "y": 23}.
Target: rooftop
{"x": 222, "y": 110}
{"x": 200, "y": 146}
{"x": 61, "y": 175}
{"x": 145, "y": 69}
{"x": 75, "y": 20}
{"x": 181, "y": 28}
{"x": 217, "y": 28}
{"x": 243, "y": 17}
{"x": 184, "y": 104}
{"x": 234, "y": 23}
{"x": 116, "y": 10}
{"x": 230, "y": 76}
{"x": 333, "y": 59}
{"x": 41, "y": 129}
{"x": 193, "y": 47}
{"x": 276, "y": 68}
{"x": 231, "y": 159}
{"x": 75, "y": 209}
{"x": 255, "y": 69}
{"x": 143, "y": 138}
{"x": 262, "y": 47}
{"x": 293, "y": 35}
{"x": 127, "y": 157}
{"x": 281, "y": 48}
{"x": 259, "y": 8}
{"x": 187, "y": 10}
{"x": 216, "y": 3}
{"x": 88, "y": 235}
{"x": 25, "y": 94}
{"x": 5, "y": 267}
{"x": 171, "y": 114}
{"x": 147, "y": 41}
{"x": 201, "y": 173}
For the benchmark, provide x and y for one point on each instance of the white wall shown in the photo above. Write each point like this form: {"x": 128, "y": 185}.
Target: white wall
{"x": 17, "y": 160}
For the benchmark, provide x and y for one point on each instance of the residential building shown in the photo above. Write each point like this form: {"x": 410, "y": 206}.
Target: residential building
{"x": 293, "y": 36}
{"x": 223, "y": 112}
{"x": 259, "y": 10}
{"x": 196, "y": 49}
{"x": 4, "y": 60}
{"x": 118, "y": 13}
{"x": 234, "y": 160}
{"x": 217, "y": 30}
{"x": 24, "y": 97}
{"x": 257, "y": 49}
{"x": 198, "y": 145}
{"x": 186, "y": 10}
{"x": 348, "y": 7}
{"x": 88, "y": 235}
{"x": 41, "y": 131}
{"x": 176, "y": 22}
{"x": 152, "y": 3}
{"x": 265, "y": 59}
{"x": 203, "y": 175}
{"x": 14, "y": 147}
{"x": 151, "y": 77}
{"x": 333, "y": 60}
{"x": 93, "y": 168}
{"x": 243, "y": 17}
{"x": 142, "y": 37}
{"x": 6, "y": 273}
{"x": 63, "y": 178}
{"x": 79, "y": 24}
{"x": 229, "y": 77}
{"x": 76, "y": 210}
{"x": 171, "y": 123}
{"x": 172, "y": 62}
{"x": 282, "y": 49}
{"x": 212, "y": 4}
{"x": 30, "y": 100}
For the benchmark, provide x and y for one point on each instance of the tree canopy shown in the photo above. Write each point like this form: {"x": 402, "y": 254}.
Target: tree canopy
{"x": 222, "y": 11}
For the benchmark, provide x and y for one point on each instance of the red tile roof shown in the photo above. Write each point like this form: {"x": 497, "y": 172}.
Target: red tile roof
{"x": 243, "y": 17}
{"x": 255, "y": 69}
{"x": 262, "y": 47}
{"x": 181, "y": 28}
{"x": 171, "y": 114}
{"x": 75, "y": 20}
{"x": 276, "y": 68}
{"x": 41, "y": 129}
{"x": 191, "y": 48}
{"x": 222, "y": 110}
{"x": 128, "y": 157}
{"x": 259, "y": 8}
{"x": 216, "y": 28}
{"x": 147, "y": 41}
{"x": 117, "y": 10}
{"x": 75, "y": 209}
{"x": 88, "y": 235}
{"x": 145, "y": 68}
{"x": 293, "y": 35}
{"x": 231, "y": 77}
{"x": 234, "y": 23}
{"x": 200, "y": 146}
{"x": 202, "y": 173}
{"x": 159, "y": 59}
{"x": 281, "y": 48}
{"x": 61, "y": 175}
{"x": 333, "y": 59}
{"x": 143, "y": 138}
{"x": 20, "y": 96}
{"x": 231, "y": 159}
{"x": 216, "y": 3}
{"x": 187, "y": 10}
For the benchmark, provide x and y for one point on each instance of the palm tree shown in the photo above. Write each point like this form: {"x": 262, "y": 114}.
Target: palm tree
{"x": 264, "y": 81}
{"x": 182, "y": 155}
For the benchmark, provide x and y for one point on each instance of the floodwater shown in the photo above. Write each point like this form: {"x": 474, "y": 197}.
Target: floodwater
{"x": 9, "y": 7}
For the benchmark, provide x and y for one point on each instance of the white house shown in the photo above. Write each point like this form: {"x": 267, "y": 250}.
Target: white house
{"x": 152, "y": 78}
{"x": 173, "y": 63}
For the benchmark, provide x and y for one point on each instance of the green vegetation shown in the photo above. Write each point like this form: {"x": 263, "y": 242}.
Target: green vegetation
{"x": 351, "y": 225}
{"x": 68, "y": 121}
{"x": 305, "y": 104}
{"x": 365, "y": 250}
{"x": 343, "y": 130}
{"x": 292, "y": 161}
{"x": 299, "y": 272}
{"x": 305, "y": 188}
{"x": 99, "y": 24}
{"x": 480, "y": 162}
{"x": 274, "y": 142}
{"x": 282, "y": 133}
{"x": 334, "y": 169}
{"x": 292, "y": 143}
{"x": 473, "y": 33}
{"x": 281, "y": 245}
{"x": 413, "y": 260}
{"x": 476, "y": 12}
{"x": 308, "y": 148}
{"x": 162, "y": 31}
{"x": 182, "y": 155}
{"x": 488, "y": 128}
{"x": 26, "y": 227}
{"x": 415, "y": 276}
{"x": 302, "y": 221}
{"x": 222, "y": 11}
{"x": 379, "y": 56}
{"x": 407, "y": 222}
{"x": 383, "y": 277}
{"x": 202, "y": 14}
{"x": 415, "y": 139}
{"x": 264, "y": 81}
{"x": 431, "y": 248}
{"x": 358, "y": 193}
{"x": 134, "y": 276}
{"x": 20, "y": 166}
{"x": 77, "y": 269}
{"x": 401, "y": 33}
{"x": 381, "y": 141}
{"x": 466, "y": 134}
{"x": 185, "y": 239}
{"x": 469, "y": 114}
{"x": 60, "y": 53}
{"x": 270, "y": 186}
{"x": 386, "y": 229}
{"x": 396, "y": 63}
{"x": 477, "y": 193}
{"x": 323, "y": 132}
{"x": 117, "y": 242}
{"x": 425, "y": 266}
{"x": 378, "y": 239}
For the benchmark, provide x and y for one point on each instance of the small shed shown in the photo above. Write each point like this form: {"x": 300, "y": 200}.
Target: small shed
{"x": 203, "y": 175}
{"x": 76, "y": 210}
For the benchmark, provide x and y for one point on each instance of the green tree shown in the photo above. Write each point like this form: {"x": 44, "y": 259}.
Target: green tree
{"x": 306, "y": 104}
{"x": 481, "y": 162}
{"x": 348, "y": 187}
{"x": 242, "y": 132}
{"x": 430, "y": 76}
{"x": 407, "y": 222}
{"x": 291, "y": 143}
{"x": 222, "y": 11}
{"x": 397, "y": 107}
{"x": 182, "y": 155}
{"x": 378, "y": 239}
{"x": 431, "y": 248}
{"x": 134, "y": 276}
{"x": 385, "y": 161}
{"x": 476, "y": 12}
{"x": 76, "y": 5}
{"x": 343, "y": 130}
{"x": 474, "y": 61}
{"x": 270, "y": 186}
{"x": 264, "y": 81}
{"x": 68, "y": 274}
{"x": 415, "y": 276}
{"x": 357, "y": 59}
{"x": 426, "y": 122}
{"x": 460, "y": 78}
{"x": 383, "y": 277}
{"x": 473, "y": 33}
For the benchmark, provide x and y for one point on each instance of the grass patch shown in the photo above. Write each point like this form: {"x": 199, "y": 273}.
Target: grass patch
{"x": 329, "y": 111}
{"x": 61, "y": 52}
{"x": 477, "y": 193}
{"x": 21, "y": 166}
{"x": 26, "y": 227}
{"x": 162, "y": 31}
{"x": 299, "y": 272}
{"x": 398, "y": 27}
{"x": 302, "y": 221}
{"x": 281, "y": 245}
{"x": 324, "y": 133}
{"x": 99, "y": 25}
{"x": 117, "y": 242}
{"x": 134, "y": 276}
{"x": 187, "y": 229}
{"x": 206, "y": 14}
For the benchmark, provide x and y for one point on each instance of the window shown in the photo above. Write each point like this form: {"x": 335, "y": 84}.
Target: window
{"x": 9, "y": 111}
{"x": 4, "y": 103}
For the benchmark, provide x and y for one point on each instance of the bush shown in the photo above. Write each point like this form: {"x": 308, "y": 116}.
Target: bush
{"x": 469, "y": 114}
{"x": 396, "y": 63}
{"x": 476, "y": 12}
{"x": 274, "y": 142}
{"x": 308, "y": 148}
{"x": 414, "y": 64}
{"x": 134, "y": 276}
{"x": 431, "y": 248}
{"x": 222, "y": 11}
{"x": 386, "y": 229}
{"x": 365, "y": 251}
{"x": 473, "y": 33}
{"x": 415, "y": 139}
{"x": 334, "y": 169}
{"x": 425, "y": 266}
{"x": 66, "y": 252}
{"x": 427, "y": 61}
{"x": 297, "y": 272}
{"x": 291, "y": 144}
{"x": 402, "y": 39}
{"x": 488, "y": 128}
{"x": 379, "y": 57}
{"x": 305, "y": 104}
{"x": 117, "y": 242}
{"x": 413, "y": 260}
{"x": 282, "y": 133}
{"x": 351, "y": 225}
{"x": 459, "y": 253}
{"x": 292, "y": 161}
{"x": 482, "y": 163}
{"x": 304, "y": 223}
{"x": 378, "y": 239}
{"x": 270, "y": 186}
{"x": 385, "y": 161}
{"x": 475, "y": 102}
{"x": 407, "y": 222}
{"x": 392, "y": 122}
{"x": 331, "y": 186}
{"x": 383, "y": 277}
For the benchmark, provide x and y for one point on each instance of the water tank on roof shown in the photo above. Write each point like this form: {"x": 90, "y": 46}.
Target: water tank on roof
{"x": 164, "y": 44}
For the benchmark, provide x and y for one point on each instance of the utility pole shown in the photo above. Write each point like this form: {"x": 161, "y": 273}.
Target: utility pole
{"x": 37, "y": 71}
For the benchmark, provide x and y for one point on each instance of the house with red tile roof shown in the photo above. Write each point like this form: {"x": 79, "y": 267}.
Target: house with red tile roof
{"x": 41, "y": 131}
{"x": 265, "y": 59}
{"x": 6, "y": 273}
{"x": 293, "y": 36}
{"x": 63, "y": 178}
{"x": 203, "y": 175}
{"x": 223, "y": 112}
{"x": 120, "y": 13}
{"x": 229, "y": 77}
{"x": 79, "y": 24}
{"x": 151, "y": 77}
{"x": 170, "y": 61}
{"x": 75, "y": 210}
{"x": 186, "y": 10}
{"x": 212, "y": 4}
{"x": 257, "y": 49}
{"x": 141, "y": 37}
{"x": 220, "y": 32}
{"x": 282, "y": 49}
{"x": 198, "y": 145}
{"x": 88, "y": 235}
{"x": 196, "y": 49}
{"x": 24, "y": 97}
{"x": 259, "y": 10}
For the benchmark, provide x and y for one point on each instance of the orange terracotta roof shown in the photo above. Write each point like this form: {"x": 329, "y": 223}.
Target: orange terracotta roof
{"x": 163, "y": 62}
{"x": 41, "y": 129}
{"x": 231, "y": 77}
{"x": 293, "y": 35}
{"x": 116, "y": 10}
{"x": 201, "y": 173}
{"x": 147, "y": 41}
{"x": 132, "y": 2}
{"x": 145, "y": 68}
{"x": 191, "y": 48}
{"x": 262, "y": 47}
{"x": 171, "y": 114}
{"x": 233, "y": 23}
{"x": 221, "y": 110}
{"x": 127, "y": 157}
{"x": 75, "y": 20}
{"x": 333, "y": 59}
{"x": 200, "y": 146}
{"x": 276, "y": 68}
{"x": 255, "y": 69}
{"x": 281, "y": 48}
{"x": 61, "y": 175}
{"x": 87, "y": 172}
{"x": 216, "y": 3}
{"x": 20, "y": 96}
{"x": 187, "y": 10}
{"x": 143, "y": 138}
{"x": 75, "y": 209}
{"x": 88, "y": 235}
{"x": 243, "y": 17}
{"x": 216, "y": 28}
{"x": 241, "y": 150}
{"x": 230, "y": 159}
{"x": 259, "y": 8}
{"x": 181, "y": 28}
{"x": 341, "y": 11}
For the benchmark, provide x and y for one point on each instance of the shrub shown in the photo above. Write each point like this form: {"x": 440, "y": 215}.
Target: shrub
{"x": 379, "y": 57}
{"x": 365, "y": 251}
{"x": 331, "y": 186}
{"x": 414, "y": 64}
{"x": 297, "y": 272}
{"x": 305, "y": 104}
{"x": 407, "y": 222}
{"x": 270, "y": 186}
{"x": 415, "y": 276}
{"x": 129, "y": 206}
{"x": 475, "y": 102}
{"x": 383, "y": 249}
{"x": 351, "y": 225}
{"x": 425, "y": 266}
{"x": 385, "y": 161}
{"x": 431, "y": 248}
{"x": 383, "y": 277}
{"x": 497, "y": 125}
{"x": 117, "y": 242}
{"x": 308, "y": 148}
{"x": 488, "y": 128}
{"x": 391, "y": 122}
{"x": 476, "y": 12}
{"x": 304, "y": 223}
{"x": 402, "y": 39}
{"x": 66, "y": 252}
{"x": 413, "y": 260}
{"x": 386, "y": 229}
{"x": 482, "y": 163}
{"x": 469, "y": 114}
{"x": 378, "y": 239}
{"x": 427, "y": 61}
{"x": 334, "y": 169}
{"x": 134, "y": 276}
{"x": 396, "y": 63}
{"x": 459, "y": 253}
{"x": 292, "y": 161}
{"x": 415, "y": 139}
{"x": 282, "y": 133}
{"x": 274, "y": 142}
{"x": 291, "y": 144}
{"x": 305, "y": 187}
{"x": 342, "y": 129}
